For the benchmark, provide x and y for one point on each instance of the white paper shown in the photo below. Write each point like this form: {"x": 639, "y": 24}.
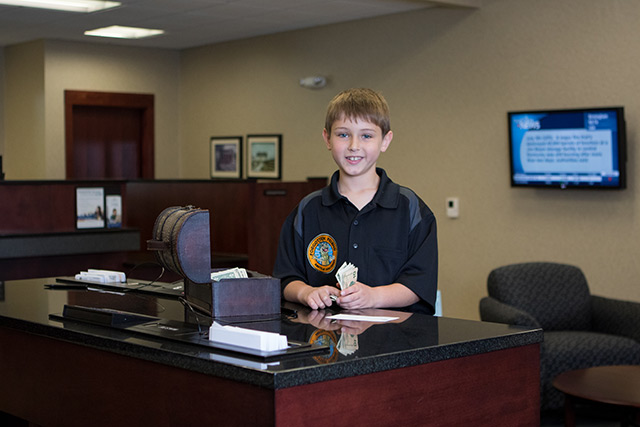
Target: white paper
{"x": 361, "y": 318}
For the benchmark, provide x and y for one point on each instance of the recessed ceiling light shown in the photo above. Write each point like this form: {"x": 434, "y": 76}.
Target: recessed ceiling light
{"x": 120, "y": 32}
{"x": 67, "y": 5}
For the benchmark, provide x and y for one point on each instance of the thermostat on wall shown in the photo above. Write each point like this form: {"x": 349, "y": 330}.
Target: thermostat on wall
{"x": 453, "y": 207}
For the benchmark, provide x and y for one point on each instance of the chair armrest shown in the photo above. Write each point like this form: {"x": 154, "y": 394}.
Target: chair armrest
{"x": 492, "y": 310}
{"x": 615, "y": 316}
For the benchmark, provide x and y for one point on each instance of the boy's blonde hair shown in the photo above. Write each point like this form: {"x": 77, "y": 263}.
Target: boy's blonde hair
{"x": 362, "y": 104}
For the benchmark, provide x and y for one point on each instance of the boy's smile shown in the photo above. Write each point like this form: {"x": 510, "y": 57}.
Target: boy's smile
{"x": 355, "y": 145}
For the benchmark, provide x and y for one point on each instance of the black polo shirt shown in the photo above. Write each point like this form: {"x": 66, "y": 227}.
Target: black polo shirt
{"x": 392, "y": 239}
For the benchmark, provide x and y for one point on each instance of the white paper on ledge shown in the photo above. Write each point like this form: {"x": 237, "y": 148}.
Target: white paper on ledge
{"x": 248, "y": 338}
{"x": 361, "y": 318}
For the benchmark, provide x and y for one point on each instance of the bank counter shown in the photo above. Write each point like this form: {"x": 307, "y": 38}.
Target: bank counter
{"x": 414, "y": 370}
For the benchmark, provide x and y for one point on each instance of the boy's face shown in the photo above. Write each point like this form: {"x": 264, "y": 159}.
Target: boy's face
{"x": 356, "y": 145}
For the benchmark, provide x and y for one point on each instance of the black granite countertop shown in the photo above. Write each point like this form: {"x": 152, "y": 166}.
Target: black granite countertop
{"x": 355, "y": 348}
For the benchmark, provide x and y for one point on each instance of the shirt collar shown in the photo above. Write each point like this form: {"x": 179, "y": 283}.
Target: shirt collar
{"x": 386, "y": 196}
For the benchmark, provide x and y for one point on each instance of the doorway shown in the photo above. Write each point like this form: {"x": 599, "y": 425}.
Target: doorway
{"x": 109, "y": 135}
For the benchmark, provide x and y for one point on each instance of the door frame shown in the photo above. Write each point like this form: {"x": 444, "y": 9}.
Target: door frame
{"x": 143, "y": 102}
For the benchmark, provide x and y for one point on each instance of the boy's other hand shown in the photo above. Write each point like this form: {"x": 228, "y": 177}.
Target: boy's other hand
{"x": 357, "y": 296}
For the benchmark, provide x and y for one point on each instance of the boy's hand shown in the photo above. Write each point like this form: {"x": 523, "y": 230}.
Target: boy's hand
{"x": 357, "y": 296}
{"x": 318, "y": 298}
{"x": 319, "y": 320}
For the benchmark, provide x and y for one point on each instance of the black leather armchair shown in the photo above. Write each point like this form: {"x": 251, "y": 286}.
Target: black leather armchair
{"x": 580, "y": 329}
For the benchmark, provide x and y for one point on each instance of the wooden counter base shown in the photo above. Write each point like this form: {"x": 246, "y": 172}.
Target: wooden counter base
{"x": 52, "y": 382}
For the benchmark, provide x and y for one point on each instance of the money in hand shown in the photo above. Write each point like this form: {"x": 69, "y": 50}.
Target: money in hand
{"x": 232, "y": 273}
{"x": 347, "y": 275}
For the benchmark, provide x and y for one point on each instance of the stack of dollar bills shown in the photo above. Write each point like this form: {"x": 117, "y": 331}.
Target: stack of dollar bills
{"x": 232, "y": 273}
{"x": 347, "y": 275}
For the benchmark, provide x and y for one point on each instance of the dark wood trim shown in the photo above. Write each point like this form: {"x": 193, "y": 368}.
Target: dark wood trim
{"x": 245, "y": 217}
{"x": 143, "y": 102}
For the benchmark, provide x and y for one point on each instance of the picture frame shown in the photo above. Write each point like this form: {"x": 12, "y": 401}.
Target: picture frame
{"x": 264, "y": 158}
{"x": 226, "y": 157}
{"x": 90, "y": 207}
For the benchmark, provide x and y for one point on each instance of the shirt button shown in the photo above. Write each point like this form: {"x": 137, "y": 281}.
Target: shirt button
{"x": 355, "y": 246}
{"x": 355, "y": 222}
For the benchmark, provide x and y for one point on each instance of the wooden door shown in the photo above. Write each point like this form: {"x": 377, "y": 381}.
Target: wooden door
{"x": 109, "y": 135}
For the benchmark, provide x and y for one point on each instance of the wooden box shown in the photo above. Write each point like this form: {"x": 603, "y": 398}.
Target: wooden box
{"x": 254, "y": 296}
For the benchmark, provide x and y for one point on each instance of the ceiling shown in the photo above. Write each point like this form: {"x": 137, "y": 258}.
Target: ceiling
{"x": 190, "y": 23}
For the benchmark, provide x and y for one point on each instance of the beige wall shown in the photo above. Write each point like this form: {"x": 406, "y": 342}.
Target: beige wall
{"x": 450, "y": 76}
{"x": 1, "y": 101}
{"x": 24, "y": 131}
{"x": 35, "y": 138}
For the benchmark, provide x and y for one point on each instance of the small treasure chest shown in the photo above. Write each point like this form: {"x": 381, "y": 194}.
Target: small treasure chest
{"x": 182, "y": 244}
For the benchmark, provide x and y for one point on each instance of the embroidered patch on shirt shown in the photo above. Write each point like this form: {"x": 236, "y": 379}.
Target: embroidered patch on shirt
{"x": 322, "y": 253}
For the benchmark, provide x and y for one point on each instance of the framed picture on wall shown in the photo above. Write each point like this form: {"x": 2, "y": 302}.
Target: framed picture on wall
{"x": 264, "y": 156}
{"x": 226, "y": 157}
{"x": 90, "y": 207}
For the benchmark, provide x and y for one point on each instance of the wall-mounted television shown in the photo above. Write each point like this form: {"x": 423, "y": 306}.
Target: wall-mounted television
{"x": 572, "y": 148}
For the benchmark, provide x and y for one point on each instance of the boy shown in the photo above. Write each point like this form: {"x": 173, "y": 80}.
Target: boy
{"x": 361, "y": 217}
